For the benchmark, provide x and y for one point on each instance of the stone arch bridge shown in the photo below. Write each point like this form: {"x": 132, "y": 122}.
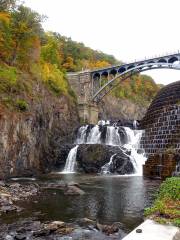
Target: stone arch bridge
{"x": 92, "y": 85}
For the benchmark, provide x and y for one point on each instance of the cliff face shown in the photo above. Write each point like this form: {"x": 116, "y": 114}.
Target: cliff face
{"x": 113, "y": 108}
{"x": 25, "y": 137}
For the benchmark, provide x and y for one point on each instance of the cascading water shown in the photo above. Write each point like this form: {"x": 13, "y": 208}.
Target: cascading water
{"x": 94, "y": 136}
{"x": 106, "y": 168}
{"x": 133, "y": 144}
{"x": 125, "y": 138}
{"x": 71, "y": 160}
{"x": 112, "y": 136}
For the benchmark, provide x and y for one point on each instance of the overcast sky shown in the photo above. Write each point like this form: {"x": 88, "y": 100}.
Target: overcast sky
{"x": 128, "y": 29}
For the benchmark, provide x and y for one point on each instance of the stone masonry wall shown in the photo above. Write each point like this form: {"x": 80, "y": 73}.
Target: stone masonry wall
{"x": 161, "y": 139}
{"x": 160, "y": 165}
{"x": 162, "y": 122}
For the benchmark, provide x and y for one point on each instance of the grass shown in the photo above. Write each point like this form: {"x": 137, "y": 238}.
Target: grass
{"x": 166, "y": 208}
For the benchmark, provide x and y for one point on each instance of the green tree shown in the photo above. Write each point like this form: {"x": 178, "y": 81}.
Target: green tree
{"x": 25, "y": 29}
{"x": 6, "y": 5}
{"x": 51, "y": 51}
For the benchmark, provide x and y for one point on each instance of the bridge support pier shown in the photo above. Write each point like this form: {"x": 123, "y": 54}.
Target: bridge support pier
{"x": 88, "y": 113}
{"x": 81, "y": 83}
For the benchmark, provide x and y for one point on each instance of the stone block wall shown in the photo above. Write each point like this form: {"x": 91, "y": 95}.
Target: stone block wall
{"x": 162, "y": 122}
{"x": 162, "y": 132}
{"x": 160, "y": 165}
{"x": 81, "y": 84}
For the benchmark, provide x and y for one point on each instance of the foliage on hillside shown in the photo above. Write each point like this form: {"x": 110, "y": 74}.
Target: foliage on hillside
{"x": 166, "y": 206}
{"x": 26, "y": 48}
{"x": 139, "y": 88}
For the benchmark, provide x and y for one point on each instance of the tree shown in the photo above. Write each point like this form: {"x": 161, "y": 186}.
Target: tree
{"x": 51, "y": 51}
{"x": 6, "y": 5}
{"x": 69, "y": 64}
{"x": 25, "y": 28}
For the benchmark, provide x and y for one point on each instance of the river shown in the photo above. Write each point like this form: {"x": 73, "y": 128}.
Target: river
{"x": 107, "y": 199}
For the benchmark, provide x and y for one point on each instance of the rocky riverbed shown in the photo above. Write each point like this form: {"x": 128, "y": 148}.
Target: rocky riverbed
{"x": 73, "y": 206}
{"x": 11, "y": 193}
{"x": 11, "y": 196}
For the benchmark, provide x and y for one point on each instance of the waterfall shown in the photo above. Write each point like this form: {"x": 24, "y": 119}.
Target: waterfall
{"x": 103, "y": 133}
{"x": 106, "y": 168}
{"x": 71, "y": 160}
{"x": 81, "y": 136}
{"x": 112, "y": 136}
{"x": 133, "y": 144}
{"x": 94, "y": 136}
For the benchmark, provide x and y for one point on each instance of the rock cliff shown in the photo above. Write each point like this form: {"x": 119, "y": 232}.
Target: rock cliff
{"x": 26, "y": 137}
{"x": 115, "y": 109}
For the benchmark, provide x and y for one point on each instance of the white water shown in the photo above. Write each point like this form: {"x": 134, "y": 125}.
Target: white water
{"x": 81, "y": 138}
{"x": 137, "y": 159}
{"x": 71, "y": 161}
{"x": 113, "y": 138}
{"x": 94, "y": 136}
{"x": 106, "y": 168}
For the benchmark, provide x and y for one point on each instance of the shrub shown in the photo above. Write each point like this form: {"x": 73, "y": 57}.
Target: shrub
{"x": 8, "y": 78}
{"x": 165, "y": 208}
{"x": 21, "y": 105}
{"x": 170, "y": 189}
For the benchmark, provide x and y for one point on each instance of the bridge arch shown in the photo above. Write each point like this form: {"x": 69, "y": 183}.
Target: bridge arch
{"x": 173, "y": 59}
{"x": 124, "y": 73}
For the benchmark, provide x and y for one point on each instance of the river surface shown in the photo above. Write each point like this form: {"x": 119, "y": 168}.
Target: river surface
{"x": 108, "y": 199}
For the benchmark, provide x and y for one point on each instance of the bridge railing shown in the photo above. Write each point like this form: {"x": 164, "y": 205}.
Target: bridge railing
{"x": 153, "y": 57}
{"x": 139, "y": 60}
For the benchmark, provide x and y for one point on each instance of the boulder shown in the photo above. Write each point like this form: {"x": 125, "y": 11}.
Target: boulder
{"x": 73, "y": 190}
{"x": 107, "y": 229}
{"x": 91, "y": 158}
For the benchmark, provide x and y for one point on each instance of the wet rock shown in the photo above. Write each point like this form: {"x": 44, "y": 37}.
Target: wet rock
{"x": 54, "y": 226}
{"x": 60, "y": 153}
{"x": 2, "y": 184}
{"x": 41, "y": 233}
{"x": 65, "y": 230}
{"x": 20, "y": 237}
{"x": 8, "y": 208}
{"x": 86, "y": 222}
{"x": 9, "y": 237}
{"x": 107, "y": 229}
{"x": 73, "y": 190}
{"x": 73, "y": 184}
{"x": 10, "y": 193}
{"x": 177, "y": 236}
{"x": 59, "y": 185}
{"x": 91, "y": 158}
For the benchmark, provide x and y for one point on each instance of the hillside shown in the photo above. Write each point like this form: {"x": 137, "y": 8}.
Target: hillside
{"x": 26, "y": 50}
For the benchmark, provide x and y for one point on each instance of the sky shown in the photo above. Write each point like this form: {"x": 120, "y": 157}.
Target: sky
{"x": 127, "y": 29}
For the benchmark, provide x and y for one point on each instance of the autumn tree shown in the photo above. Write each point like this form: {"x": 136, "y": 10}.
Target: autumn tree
{"x": 26, "y": 29}
{"x": 69, "y": 64}
{"x": 51, "y": 50}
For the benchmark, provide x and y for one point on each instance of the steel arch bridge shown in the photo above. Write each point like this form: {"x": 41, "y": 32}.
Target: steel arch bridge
{"x": 104, "y": 80}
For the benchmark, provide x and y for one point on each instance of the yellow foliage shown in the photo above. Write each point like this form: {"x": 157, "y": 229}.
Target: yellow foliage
{"x": 54, "y": 78}
{"x": 5, "y": 17}
{"x": 98, "y": 64}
